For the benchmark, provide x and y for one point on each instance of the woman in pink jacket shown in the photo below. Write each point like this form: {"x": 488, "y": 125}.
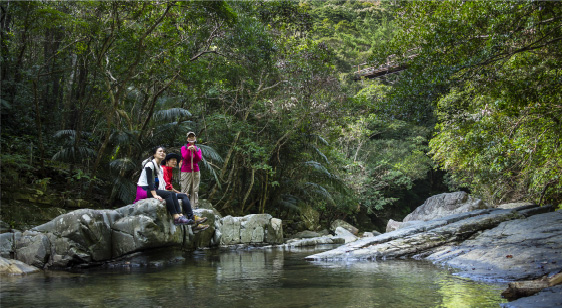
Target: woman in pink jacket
{"x": 190, "y": 176}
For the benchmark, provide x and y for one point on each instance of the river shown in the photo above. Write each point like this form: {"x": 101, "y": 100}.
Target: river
{"x": 264, "y": 278}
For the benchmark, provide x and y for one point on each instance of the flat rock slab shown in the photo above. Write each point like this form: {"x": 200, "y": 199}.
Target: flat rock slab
{"x": 548, "y": 298}
{"x": 15, "y": 268}
{"x": 522, "y": 249}
{"x": 493, "y": 245}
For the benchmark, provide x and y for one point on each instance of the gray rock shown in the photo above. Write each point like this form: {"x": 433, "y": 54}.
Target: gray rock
{"x": 274, "y": 230}
{"x": 201, "y": 238}
{"x": 340, "y": 223}
{"x": 345, "y": 234}
{"x": 522, "y": 249}
{"x": 515, "y": 205}
{"x": 444, "y": 205}
{"x": 418, "y": 238}
{"x": 411, "y": 223}
{"x": 230, "y": 230}
{"x": 206, "y": 205}
{"x": 251, "y": 229}
{"x": 392, "y": 225}
{"x": 88, "y": 236}
{"x": 7, "y": 241}
{"x": 80, "y": 235}
{"x": 322, "y": 240}
{"x": 548, "y": 298}
{"x": 306, "y": 234}
{"x": 33, "y": 248}
{"x": 15, "y": 267}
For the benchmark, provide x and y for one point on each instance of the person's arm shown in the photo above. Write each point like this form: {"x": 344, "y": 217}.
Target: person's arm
{"x": 150, "y": 181}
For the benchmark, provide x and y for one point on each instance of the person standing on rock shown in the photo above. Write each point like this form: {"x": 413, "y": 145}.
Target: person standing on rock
{"x": 168, "y": 165}
{"x": 151, "y": 184}
{"x": 190, "y": 176}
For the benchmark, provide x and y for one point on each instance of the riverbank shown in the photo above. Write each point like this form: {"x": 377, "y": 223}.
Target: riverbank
{"x": 493, "y": 245}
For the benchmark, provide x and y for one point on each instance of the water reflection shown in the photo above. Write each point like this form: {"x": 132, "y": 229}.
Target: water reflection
{"x": 252, "y": 278}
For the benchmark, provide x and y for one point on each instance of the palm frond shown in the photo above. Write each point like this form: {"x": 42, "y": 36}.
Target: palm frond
{"x": 207, "y": 165}
{"x": 317, "y": 189}
{"x": 125, "y": 189}
{"x": 322, "y": 140}
{"x": 210, "y": 152}
{"x": 65, "y": 133}
{"x": 123, "y": 137}
{"x": 125, "y": 164}
{"x": 74, "y": 154}
{"x": 317, "y": 150}
{"x": 171, "y": 114}
{"x": 320, "y": 171}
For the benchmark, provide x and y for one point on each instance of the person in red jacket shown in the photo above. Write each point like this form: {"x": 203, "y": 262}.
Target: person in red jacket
{"x": 190, "y": 176}
{"x": 168, "y": 165}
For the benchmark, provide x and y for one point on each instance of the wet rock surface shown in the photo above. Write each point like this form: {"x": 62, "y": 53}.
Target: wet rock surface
{"x": 87, "y": 237}
{"x": 548, "y": 298}
{"x": 491, "y": 244}
{"x": 497, "y": 245}
{"x": 15, "y": 267}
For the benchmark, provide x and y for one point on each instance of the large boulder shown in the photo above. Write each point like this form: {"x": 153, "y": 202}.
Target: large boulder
{"x": 490, "y": 244}
{"x": 310, "y": 217}
{"x": 92, "y": 236}
{"x": 15, "y": 267}
{"x": 251, "y": 229}
{"x": 393, "y": 225}
{"x": 143, "y": 225}
{"x": 340, "y": 223}
{"x": 445, "y": 204}
{"x": 345, "y": 234}
{"x": 522, "y": 249}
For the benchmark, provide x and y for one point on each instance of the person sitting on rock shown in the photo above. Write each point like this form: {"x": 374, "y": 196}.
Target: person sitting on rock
{"x": 168, "y": 165}
{"x": 151, "y": 184}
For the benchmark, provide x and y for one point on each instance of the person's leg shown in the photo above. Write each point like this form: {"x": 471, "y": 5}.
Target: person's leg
{"x": 195, "y": 196}
{"x": 185, "y": 182}
{"x": 173, "y": 207}
{"x": 186, "y": 205}
{"x": 170, "y": 206}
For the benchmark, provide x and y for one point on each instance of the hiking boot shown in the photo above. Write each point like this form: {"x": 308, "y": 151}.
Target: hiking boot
{"x": 182, "y": 220}
{"x": 199, "y": 228}
{"x": 199, "y": 220}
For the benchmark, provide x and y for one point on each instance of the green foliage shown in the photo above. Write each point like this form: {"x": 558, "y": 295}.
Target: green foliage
{"x": 490, "y": 71}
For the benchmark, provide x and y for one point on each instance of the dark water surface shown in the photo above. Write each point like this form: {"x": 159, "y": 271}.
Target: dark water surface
{"x": 250, "y": 278}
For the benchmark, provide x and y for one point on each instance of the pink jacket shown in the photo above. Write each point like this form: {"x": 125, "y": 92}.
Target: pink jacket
{"x": 186, "y": 156}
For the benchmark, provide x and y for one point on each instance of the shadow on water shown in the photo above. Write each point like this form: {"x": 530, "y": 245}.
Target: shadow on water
{"x": 249, "y": 278}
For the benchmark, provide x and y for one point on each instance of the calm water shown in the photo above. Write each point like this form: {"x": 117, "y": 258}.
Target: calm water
{"x": 250, "y": 278}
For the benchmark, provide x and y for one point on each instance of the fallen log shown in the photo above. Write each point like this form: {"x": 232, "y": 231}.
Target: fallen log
{"x": 520, "y": 289}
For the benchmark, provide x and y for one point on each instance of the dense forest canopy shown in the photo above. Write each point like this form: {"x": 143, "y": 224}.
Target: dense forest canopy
{"x": 88, "y": 87}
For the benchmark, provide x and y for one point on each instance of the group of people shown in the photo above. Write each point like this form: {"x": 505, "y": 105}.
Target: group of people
{"x": 155, "y": 181}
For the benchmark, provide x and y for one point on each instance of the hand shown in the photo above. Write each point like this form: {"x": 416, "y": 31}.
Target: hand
{"x": 191, "y": 147}
{"x": 159, "y": 198}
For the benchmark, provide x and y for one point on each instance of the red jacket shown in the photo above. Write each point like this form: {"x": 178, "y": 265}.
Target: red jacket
{"x": 186, "y": 156}
{"x": 168, "y": 173}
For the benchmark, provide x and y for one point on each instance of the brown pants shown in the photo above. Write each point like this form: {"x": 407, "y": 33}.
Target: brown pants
{"x": 189, "y": 182}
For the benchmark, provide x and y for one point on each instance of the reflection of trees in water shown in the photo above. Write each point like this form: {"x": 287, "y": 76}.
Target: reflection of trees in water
{"x": 251, "y": 266}
{"x": 254, "y": 278}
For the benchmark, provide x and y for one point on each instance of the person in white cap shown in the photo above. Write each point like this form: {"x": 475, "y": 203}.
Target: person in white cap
{"x": 190, "y": 176}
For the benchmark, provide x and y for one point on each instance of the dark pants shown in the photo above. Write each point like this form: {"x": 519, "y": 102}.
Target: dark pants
{"x": 172, "y": 204}
{"x": 186, "y": 205}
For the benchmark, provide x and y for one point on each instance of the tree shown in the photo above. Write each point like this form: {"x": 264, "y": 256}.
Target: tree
{"x": 489, "y": 69}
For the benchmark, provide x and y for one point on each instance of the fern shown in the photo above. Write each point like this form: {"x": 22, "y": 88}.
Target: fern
{"x": 171, "y": 114}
